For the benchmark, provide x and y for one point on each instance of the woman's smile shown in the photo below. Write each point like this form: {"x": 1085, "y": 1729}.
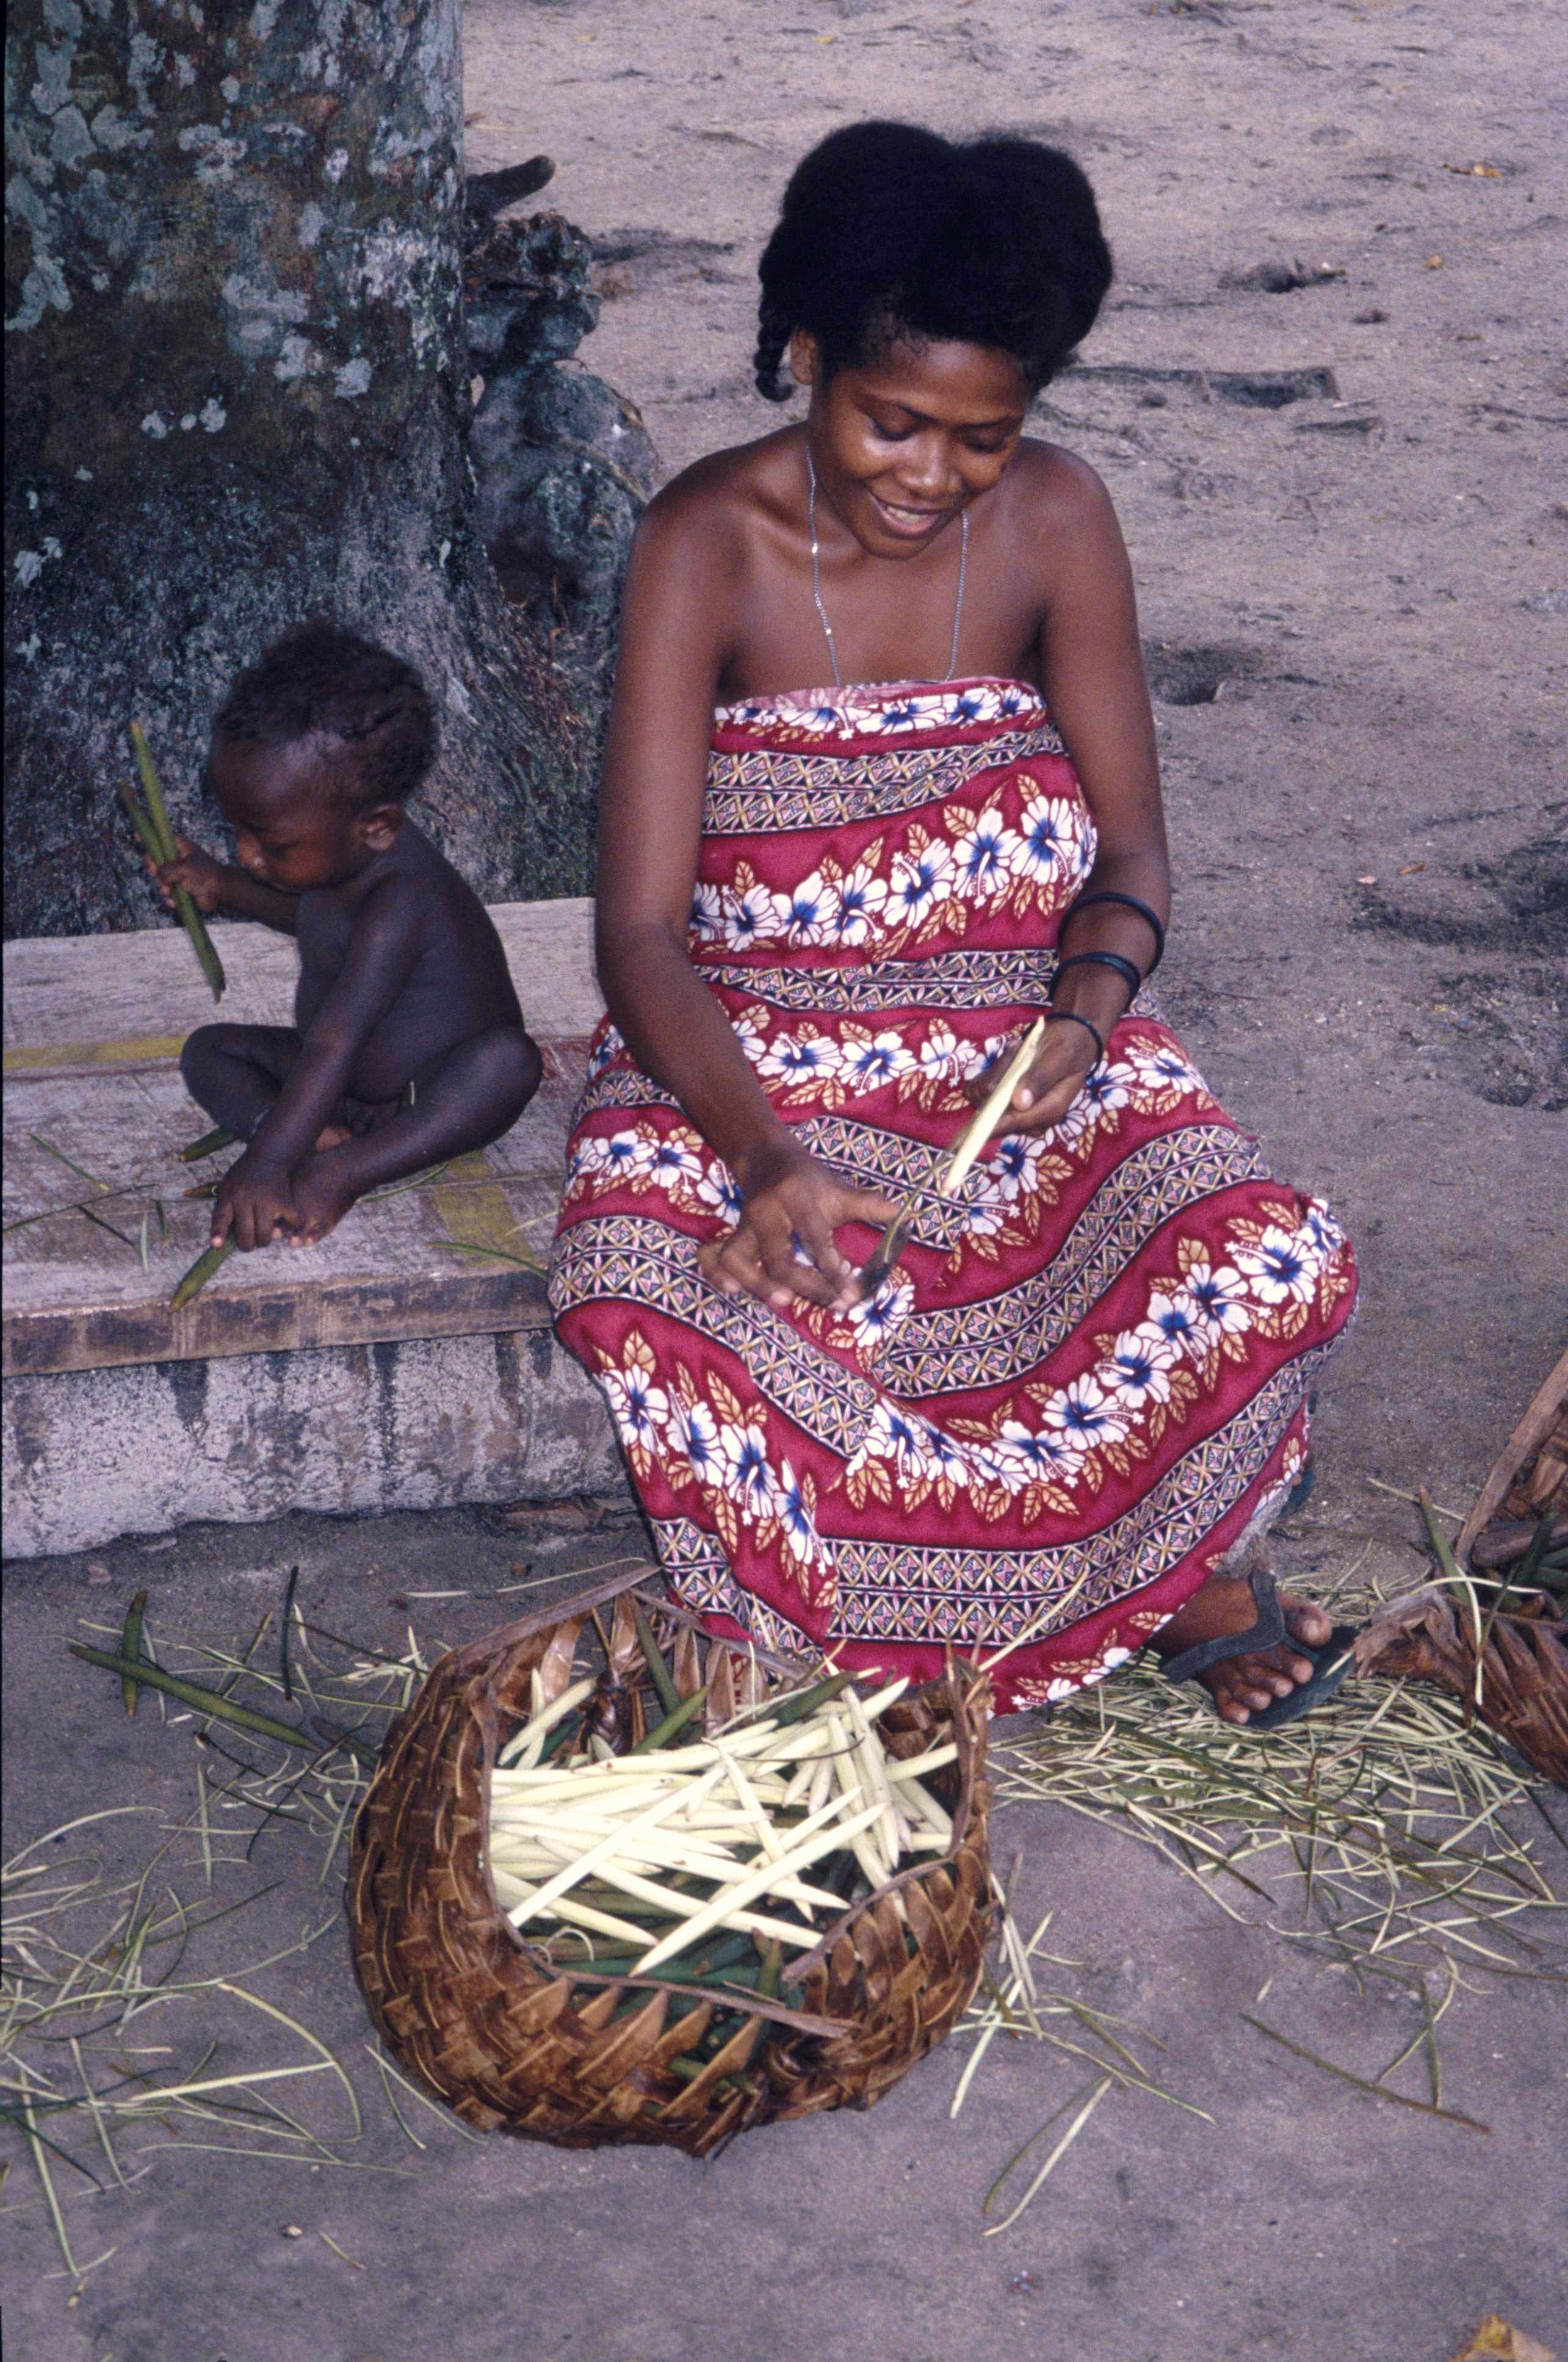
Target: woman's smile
{"x": 913, "y": 524}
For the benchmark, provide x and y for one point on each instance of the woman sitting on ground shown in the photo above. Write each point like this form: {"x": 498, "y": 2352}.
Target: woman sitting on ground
{"x": 1046, "y": 1435}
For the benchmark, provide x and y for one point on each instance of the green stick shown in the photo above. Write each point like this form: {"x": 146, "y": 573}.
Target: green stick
{"x": 208, "y": 1145}
{"x": 130, "y": 1646}
{"x": 205, "y": 1267}
{"x": 209, "y": 1702}
{"x": 670, "y": 1696}
{"x": 663, "y": 1732}
{"x": 165, "y": 849}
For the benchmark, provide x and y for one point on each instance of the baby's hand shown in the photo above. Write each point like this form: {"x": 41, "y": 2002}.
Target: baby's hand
{"x": 197, "y": 872}
{"x": 255, "y": 1200}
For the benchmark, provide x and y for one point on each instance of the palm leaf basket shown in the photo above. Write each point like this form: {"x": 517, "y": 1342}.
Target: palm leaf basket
{"x": 1498, "y": 1639}
{"x": 513, "y": 2038}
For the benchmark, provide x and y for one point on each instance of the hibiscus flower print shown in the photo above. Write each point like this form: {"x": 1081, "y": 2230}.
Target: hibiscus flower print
{"x": 1108, "y": 1088}
{"x": 616, "y": 1160}
{"x": 983, "y": 856}
{"x": 941, "y": 1057}
{"x": 1177, "y": 1318}
{"x": 867, "y": 1062}
{"x": 743, "y": 1471}
{"x": 694, "y": 1436}
{"x": 1215, "y": 1299}
{"x": 1085, "y": 1412}
{"x": 748, "y": 917}
{"x": 1137, "y": 1371}
{"x": 716, "y": 1190}
{"x": 707, "y": 919}
{"x": 1321, "y": 1236}
{"x": 873, "y": 1318}
{"x": 806, "y": 915}
{"x": 861, "y": 898}
{"x": 1046, "y": 845}
{"x": 1026, "y": 1455}
{"x": 794, "y": 1061}
{"x": 1161, "y": 1078}
{"x": 639, "y": 1409}
{"x": 1280, "y": 1269}
{"x": 792, "y": 1507}
{"x": 1016, "y": 1163}
{"x": 675, "y": 1165}
{"x": 922, "y": 877}
{"x": 605, "y": 1051}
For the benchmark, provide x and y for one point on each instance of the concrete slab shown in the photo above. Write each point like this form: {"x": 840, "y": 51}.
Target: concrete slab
{"x": 404, "y": 1362}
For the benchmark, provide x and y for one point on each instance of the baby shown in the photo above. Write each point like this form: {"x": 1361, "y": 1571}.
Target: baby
{"x": 408, "y": 1045}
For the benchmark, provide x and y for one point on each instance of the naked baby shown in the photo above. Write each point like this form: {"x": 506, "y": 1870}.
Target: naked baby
{"x": 408, "y": 1045}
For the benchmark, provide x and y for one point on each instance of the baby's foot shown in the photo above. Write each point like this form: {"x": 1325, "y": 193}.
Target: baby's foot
{"x": 332, "y": 1135}
{"x": 1244, "y": 1685}
{"x": 323, "y": 1194}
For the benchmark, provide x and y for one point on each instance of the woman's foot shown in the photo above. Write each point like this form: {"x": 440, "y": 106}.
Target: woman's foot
{"x": 1243, "y": 1685}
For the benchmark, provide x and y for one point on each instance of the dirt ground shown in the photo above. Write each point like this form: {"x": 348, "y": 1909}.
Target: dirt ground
{"x": 1355, "y": 609}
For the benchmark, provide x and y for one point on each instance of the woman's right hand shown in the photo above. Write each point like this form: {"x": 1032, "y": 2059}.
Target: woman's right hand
{"x": 787, "y": 1199}
{"x": 203, "y": 877}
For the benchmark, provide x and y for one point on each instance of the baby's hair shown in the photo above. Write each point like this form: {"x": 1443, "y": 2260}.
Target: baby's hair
{"x": 367, "y": 712}
{"x": 889, "y": 230}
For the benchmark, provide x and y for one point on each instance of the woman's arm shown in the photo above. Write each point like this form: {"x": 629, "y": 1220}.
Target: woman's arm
{"x": 1092, "y": 668}
{"x": 681, "y": 585}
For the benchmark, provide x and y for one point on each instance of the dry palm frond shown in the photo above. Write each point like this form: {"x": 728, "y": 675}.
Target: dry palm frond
{"x": 1502, "y": 1651}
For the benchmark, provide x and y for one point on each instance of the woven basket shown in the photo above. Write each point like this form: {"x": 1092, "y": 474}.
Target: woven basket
{"x": 511, "y": 2039}
{"x": 1428, "y": 1636}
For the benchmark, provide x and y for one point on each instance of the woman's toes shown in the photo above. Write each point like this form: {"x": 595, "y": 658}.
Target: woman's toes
{"x": 1307, "y": 1623}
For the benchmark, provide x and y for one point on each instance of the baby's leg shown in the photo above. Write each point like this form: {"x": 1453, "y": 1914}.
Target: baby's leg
{"x": 463, "y": 1099}
{"x": 236, "y": 1072}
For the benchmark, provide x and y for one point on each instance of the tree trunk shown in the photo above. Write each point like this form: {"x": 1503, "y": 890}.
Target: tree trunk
{"x": 236, "y": 391}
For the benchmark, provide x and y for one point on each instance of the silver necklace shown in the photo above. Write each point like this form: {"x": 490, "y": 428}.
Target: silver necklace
{"x": 817, "y": 579}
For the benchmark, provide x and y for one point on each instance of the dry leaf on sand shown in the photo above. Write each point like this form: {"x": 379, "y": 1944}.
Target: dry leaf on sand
{"x": 1497, "y": 2340}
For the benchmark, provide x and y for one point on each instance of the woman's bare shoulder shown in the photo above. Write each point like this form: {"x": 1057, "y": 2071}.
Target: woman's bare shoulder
{"x": 1055, "y": 487}
{"x": 721, "y": 502}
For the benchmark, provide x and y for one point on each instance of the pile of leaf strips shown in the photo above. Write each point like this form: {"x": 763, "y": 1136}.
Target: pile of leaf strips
{"x": 709, "y": 1861}
{"x": 97, "y": 2072}
{"x": 1386, "y": 1831}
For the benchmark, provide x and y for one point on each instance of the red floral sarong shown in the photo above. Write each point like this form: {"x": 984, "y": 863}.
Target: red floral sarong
{"x": 1089, "y": 1376}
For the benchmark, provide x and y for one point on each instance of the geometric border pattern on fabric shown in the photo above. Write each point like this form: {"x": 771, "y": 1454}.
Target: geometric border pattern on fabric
{"x": 942, "y": 1351}
{"x": 780, "y": 790}
{"x": 952, "y": 981}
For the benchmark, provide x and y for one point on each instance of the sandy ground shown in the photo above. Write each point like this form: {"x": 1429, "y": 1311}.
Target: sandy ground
{"x": 1368, "y": 822}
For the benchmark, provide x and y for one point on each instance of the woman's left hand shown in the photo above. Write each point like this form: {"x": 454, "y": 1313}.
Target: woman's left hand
{"x": 1066, "y": 1056}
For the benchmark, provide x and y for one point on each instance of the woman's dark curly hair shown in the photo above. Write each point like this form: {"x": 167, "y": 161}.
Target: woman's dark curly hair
{"x": 368, "y": 712}
{"x": 889, "y": 230}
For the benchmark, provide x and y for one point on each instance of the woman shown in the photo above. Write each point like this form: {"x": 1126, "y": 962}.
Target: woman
{"x": 825, "y": 912}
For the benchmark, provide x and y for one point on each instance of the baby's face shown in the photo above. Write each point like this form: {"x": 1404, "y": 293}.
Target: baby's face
{"x": 292, "y": 829}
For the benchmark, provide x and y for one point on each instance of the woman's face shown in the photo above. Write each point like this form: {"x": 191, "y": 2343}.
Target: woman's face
{"x": 905, "y": 440}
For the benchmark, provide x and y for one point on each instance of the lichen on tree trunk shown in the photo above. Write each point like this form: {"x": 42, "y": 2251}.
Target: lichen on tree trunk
{"x": 236, "y": 391}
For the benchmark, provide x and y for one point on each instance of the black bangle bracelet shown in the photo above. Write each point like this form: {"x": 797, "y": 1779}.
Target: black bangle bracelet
{"x": 1071, "y": 1017}
{"x": 1131, "y": 903}
{"x": 1125, "y": 968}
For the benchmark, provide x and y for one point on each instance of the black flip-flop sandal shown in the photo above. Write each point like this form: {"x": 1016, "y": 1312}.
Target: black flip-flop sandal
{"x": 1330, "y": 1661}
